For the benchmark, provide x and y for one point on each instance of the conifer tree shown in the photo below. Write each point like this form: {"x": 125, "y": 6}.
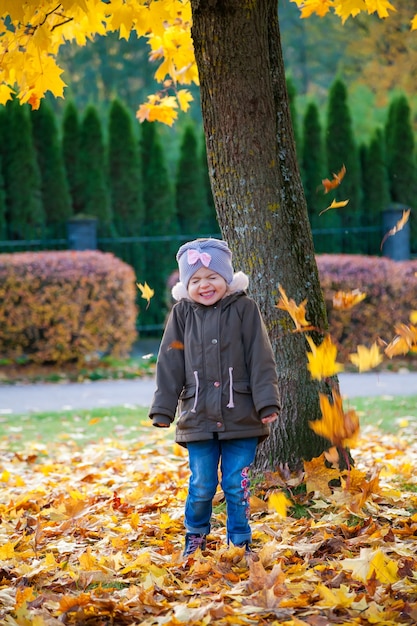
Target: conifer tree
{"x": 402, "y": 170}
{"x": 55, "y": 194}
{"x": 160, "y": 219}
{"x": 375, "y": 187}
{"x": 341, "y": 151}
{"x": 400, "y": 152}
{"x": 3, "y": 225}
{"x": 94, "y": 191}
{"x": 313, "y": 165}
{"x": 26, "y": 214}
{"x": 210, "y": 225}
{"x": 71, "y": 152}
{"x": 3, "y": 156}
{"x": 189, "y": 185}
{"x": 125, "y": 183}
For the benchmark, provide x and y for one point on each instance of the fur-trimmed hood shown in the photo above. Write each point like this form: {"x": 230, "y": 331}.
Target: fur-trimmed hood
{"x": 239, "y": 282}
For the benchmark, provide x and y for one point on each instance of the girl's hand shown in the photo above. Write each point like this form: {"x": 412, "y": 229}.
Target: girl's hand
{"x": 269, "y": 418}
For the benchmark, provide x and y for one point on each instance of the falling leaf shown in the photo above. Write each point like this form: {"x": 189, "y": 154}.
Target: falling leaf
{"x": 176, "y": 345}
{"x": 335, "y": 205}
{"x": 366, "y": 358}
{"x": 322, "y": 359}
{"x": 146, "y": 292}
{"x": 404, "y": 342}
{"x": 398, "y": 226}
{"x": 413, "y": 317}
{"x": 335, "y": 182}
{"x": 344, "y": 300}
{"x": 279, "y": 502}
{"x": 296, "y": 311}
{"x": 340, "y": 428}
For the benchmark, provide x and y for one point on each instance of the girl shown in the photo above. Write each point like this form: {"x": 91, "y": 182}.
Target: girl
{"x": 216, "y": 362}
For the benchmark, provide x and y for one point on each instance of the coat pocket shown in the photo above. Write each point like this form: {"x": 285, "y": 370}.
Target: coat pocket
{"x": 242, "y": 401}
{"x": 187, "y": 400}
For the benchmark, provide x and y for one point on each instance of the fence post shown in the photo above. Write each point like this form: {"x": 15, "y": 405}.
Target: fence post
{"x": 396, "y": 247}
{"x": 82, "y": 233}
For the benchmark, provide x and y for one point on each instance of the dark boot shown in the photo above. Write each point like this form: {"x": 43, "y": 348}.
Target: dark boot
{"x": 193, "y": 542}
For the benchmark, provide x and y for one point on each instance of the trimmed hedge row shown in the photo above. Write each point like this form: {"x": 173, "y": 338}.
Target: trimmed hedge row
{"x": 66, "y": 306}
{"x": 391, "y": 295}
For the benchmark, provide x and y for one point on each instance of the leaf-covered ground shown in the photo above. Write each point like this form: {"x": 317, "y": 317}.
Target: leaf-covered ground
{"x": 94, "y": 536}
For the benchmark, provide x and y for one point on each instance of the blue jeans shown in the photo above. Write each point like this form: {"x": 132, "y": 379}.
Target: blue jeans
{"x": 235, "y": 457}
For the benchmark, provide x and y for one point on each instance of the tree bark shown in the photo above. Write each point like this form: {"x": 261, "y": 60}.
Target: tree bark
{"x": 259, "y": 197}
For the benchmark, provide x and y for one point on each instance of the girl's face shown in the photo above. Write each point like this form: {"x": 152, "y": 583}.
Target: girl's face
{"x": 206, "y": 287}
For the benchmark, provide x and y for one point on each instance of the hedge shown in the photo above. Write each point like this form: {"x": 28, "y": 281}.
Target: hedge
{"x": 66, "y": 306}
{"x": 391, "y": 295}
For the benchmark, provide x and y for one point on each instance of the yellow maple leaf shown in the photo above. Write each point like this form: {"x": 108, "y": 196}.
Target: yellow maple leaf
{"x": 343, "y": 300}
{"x": 413, "y": 317}
{"x": 335, "y": 205}
{"x": 335, "y": 598}
{"x": 184, "y": 99}
{"x": 146, "y": 292}
{"x": 158, "y": 109}
{"x": 322, "y": 359}
{"x": 7, "y": 551}
{"x": 279, "y": 502}
{"x": 366, "y": 358}
{"x": 381, "y": 7}
{"x": 404, "y": 341}
{"x": 318, "y": 475}
{"x": 310, "y": 7}
{"x": 296, "y": 311}
{"x": 340, "y": 428}
{"x": 372, "y": 563}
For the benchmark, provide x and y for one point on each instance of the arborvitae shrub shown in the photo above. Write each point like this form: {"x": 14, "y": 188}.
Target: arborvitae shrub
{"x": 341, "y": 150}
{"x": 190, "y": 200}
{"x": 375, "y": 187}
{"x": 55, "y": 193}
{"x": 94, "y": 190}
{"x": 313, "y": 164}
{"x": 160, "y": 219}
{"x": 26, "y": 216}
{"x": 71, "y": 153}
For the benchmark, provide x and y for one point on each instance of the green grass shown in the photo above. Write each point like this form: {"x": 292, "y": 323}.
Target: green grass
{"x": 387, "y": 412}
{"x": 94, "y": 425}
{"x": 81, "y": 426}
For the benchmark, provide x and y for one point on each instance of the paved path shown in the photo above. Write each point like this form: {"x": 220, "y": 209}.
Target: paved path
{"x": 56, "y": 397}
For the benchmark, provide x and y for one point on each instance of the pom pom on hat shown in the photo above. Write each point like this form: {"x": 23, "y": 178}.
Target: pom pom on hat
{"x": 212, "y": 253}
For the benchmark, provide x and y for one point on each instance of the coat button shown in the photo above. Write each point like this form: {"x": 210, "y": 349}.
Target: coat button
{"x": 216, "y": 384}
{"x": 214, "y": 341}
{"x": 219, "y": 424}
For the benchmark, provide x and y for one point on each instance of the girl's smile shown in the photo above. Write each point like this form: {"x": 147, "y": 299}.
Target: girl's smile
{"x": 206, "y": 287}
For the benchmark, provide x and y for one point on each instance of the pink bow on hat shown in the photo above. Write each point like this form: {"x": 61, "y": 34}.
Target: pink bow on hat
{"x": 194, "y": 255}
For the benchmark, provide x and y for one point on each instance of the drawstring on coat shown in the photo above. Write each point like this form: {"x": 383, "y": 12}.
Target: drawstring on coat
{"x": 197, "y": 384}
{"x": 231, "y": 404}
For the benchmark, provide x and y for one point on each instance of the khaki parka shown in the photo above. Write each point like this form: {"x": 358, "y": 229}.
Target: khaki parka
{"x": 216, "y": 366}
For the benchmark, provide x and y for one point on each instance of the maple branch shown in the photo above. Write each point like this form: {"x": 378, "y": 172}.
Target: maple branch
{"x": 66, "y": 20}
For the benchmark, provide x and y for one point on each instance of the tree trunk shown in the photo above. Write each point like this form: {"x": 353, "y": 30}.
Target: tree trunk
{"x": 259, "y": 196}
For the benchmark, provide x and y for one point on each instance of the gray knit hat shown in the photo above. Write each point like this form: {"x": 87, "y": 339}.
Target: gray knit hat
{"x": 212, "y": 253}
